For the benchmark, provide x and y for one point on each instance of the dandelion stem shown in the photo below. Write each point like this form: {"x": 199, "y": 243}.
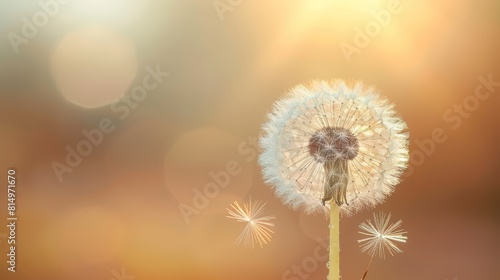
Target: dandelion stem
{"x": 334, "y": 262}
{"x": 368, "y": 267}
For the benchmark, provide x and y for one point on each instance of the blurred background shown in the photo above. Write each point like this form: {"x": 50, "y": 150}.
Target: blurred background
{"x": 116, "y": 115}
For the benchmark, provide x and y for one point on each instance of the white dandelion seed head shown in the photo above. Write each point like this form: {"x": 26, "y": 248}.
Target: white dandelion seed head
{"x": 381, "y": 236}
{"x": 328, "y": 122}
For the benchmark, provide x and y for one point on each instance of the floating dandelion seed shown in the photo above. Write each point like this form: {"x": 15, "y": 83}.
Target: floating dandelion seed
{"x": 331, "y": 142}
{"x": 257, "y": 229}
{"x": 381, "y": 236}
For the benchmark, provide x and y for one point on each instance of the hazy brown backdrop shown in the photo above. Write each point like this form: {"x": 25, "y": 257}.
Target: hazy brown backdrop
{"x": 117, "y": 211}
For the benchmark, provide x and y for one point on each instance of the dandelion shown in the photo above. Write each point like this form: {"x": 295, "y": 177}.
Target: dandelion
{"x": 381, "y": 237}
{"x": 333, "y": 143}
{"x": 258, "y": 227}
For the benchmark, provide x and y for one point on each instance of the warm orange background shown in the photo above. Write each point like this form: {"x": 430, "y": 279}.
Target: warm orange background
{"x": 120, "y": 207}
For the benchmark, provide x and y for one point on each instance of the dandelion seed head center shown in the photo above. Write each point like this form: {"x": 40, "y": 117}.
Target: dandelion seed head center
{"x": 333, "y": 143}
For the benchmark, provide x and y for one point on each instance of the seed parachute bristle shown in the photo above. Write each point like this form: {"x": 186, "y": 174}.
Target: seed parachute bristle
{"x": 258, "y": 228}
